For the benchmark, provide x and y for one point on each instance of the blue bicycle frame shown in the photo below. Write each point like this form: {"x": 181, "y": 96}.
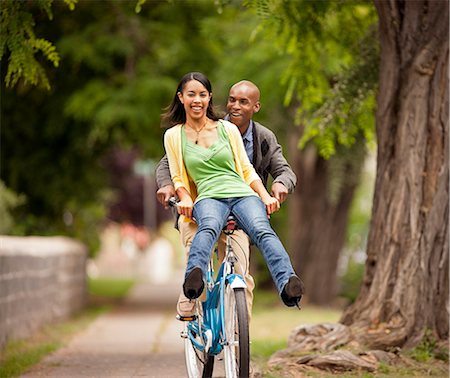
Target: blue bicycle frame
{"x": 213, "y": 325}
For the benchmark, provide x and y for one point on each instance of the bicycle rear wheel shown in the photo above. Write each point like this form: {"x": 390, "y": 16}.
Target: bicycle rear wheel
{"x": 236, "y": 348}
{"x": 198, "y": 364}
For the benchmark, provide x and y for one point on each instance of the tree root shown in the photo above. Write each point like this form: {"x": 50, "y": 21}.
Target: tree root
{"x": 324, "y": 340}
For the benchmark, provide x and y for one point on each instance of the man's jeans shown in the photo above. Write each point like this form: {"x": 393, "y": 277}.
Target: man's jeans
{"x": 250, "y": 212}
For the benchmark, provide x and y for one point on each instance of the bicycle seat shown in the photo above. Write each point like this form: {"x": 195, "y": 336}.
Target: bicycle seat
{"x": 231, "y": 224}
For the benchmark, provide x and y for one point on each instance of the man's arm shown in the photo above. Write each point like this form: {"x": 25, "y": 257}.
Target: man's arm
{"x": 284, "y": 178}
{"x": 280, "y": 169}
{"x": 164, "y": 182}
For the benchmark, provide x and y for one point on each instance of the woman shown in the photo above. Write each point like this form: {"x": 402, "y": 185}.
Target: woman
{"x": 213, "y": 177}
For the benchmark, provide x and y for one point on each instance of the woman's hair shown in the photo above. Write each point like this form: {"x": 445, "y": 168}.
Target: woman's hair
{"x": 175, "y": 114}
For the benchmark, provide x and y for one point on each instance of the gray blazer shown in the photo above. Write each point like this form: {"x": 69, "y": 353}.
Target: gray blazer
{"x": 267, "y": 159}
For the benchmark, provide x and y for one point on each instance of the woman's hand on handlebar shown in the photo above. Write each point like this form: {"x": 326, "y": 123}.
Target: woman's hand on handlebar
{"x": 185, "y": 207}
{"x": 272, "y": 204}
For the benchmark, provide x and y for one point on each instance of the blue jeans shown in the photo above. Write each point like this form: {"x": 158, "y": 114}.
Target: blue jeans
{"x": 250, "y": 212}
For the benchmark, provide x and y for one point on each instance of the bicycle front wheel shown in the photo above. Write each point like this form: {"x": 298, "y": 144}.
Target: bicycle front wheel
{"x": 236, "y": 348}
{"x": 198, "y": 363}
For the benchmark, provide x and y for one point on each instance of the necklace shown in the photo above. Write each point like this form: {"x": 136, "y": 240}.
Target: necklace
{"x": 197, "y": 131}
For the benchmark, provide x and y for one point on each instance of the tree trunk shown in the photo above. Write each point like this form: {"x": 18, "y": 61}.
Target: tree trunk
{"x": 318, "y": 211}
{"x": 405, "y": 289}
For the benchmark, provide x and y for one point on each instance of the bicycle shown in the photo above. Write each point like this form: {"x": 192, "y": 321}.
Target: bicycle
{"x": 220, "y": 323}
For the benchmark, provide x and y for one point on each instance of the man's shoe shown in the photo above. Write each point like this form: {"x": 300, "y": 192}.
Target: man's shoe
{"x": 292, "y": 292}
{"x": 185, "y": 308}
{"x": 193, "y": 284}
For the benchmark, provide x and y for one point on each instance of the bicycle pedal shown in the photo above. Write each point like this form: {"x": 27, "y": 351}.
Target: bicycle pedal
{"x": 186, "y": 318}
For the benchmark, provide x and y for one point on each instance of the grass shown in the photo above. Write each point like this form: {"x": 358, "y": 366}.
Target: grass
{"x": 109, "y": 288}
{"x": 19, "y": 355}
{"x": 272, "y": 322}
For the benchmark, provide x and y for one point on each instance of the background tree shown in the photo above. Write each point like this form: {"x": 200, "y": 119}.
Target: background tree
{"x": 330, "y": 88}
{"x": 405, "y": 290}
{"x": 117, "y": 70}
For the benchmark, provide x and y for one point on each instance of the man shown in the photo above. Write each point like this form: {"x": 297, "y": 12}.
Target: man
{"x": 266, "y": 155}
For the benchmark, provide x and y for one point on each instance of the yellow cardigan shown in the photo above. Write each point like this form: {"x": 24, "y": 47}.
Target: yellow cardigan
{"x": 178, "y": 172}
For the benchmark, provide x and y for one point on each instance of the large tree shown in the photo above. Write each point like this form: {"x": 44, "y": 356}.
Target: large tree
{"x": 405, "y": 289}
{"x": 403, "y": 301}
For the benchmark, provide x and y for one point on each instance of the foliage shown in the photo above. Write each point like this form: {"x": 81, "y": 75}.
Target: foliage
{"x": 20, "y": 45}
{"x": 351, "y": 280}
{"x": 333, "y": 69}
{"x": 330, "y": 80}
{"x": 8, "y": 201}
{"x": 117, "y": 71}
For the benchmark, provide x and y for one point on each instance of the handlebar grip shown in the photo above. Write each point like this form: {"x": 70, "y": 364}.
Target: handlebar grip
{"x": 173, "y": 202}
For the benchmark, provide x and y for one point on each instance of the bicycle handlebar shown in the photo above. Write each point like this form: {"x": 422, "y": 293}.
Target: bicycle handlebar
{"x": 173, "y": 202}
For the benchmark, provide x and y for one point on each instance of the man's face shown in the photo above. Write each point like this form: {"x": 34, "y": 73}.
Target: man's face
{"x": 242, "y": 103}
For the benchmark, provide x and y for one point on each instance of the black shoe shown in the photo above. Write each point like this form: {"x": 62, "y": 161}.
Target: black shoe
{"x": 193, "y": 284}
{"x": 292, "y": 292}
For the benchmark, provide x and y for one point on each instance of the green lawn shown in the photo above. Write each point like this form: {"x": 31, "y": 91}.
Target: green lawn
{"x": 272, "y": 322}
{"x": 109, "y": 287}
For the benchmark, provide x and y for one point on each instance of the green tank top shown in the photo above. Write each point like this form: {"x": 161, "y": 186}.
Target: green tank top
{"x": 213, "y": 169}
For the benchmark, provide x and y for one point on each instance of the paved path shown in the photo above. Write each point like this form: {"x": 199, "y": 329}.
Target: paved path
{"x": 140, "y": 338}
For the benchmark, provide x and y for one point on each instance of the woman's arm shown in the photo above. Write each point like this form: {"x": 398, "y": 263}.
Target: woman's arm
{"x": 186, "y": 204}
{"x": 272, "y": 204}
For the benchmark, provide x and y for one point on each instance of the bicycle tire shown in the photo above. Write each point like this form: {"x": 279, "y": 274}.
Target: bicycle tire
{"x": 198, "y": 364}
{"x": 195, "y": 366}
{"x": 237, "y": 345}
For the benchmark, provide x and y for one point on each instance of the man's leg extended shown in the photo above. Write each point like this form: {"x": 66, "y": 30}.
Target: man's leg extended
{"x": 241, "y": 247}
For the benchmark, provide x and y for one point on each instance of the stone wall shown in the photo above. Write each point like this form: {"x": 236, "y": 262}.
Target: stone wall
{"x": 42, "y": 279}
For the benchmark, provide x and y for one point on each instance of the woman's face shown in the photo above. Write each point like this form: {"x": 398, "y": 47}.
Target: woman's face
{"x": 195, "y": 98}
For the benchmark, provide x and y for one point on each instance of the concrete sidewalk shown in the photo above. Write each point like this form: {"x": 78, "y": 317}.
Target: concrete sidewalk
{"x": 139, "y": 338}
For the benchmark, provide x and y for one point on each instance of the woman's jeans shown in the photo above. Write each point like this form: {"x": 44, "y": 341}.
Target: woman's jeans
{"x": 250, "y": 212}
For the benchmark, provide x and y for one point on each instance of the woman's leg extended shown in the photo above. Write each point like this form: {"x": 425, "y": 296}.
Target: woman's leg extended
{"x": 251, "y": 215}
{"x": 210, "y": 215}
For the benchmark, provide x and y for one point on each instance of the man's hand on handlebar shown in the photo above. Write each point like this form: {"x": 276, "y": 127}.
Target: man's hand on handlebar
{"x": 272, "y": 204}
{"x": 279, "y": 191}
{"x": 163, "y": 194}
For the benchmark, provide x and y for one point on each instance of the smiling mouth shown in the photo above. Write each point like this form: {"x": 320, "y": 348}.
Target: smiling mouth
{"x": 235, "y": 115}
